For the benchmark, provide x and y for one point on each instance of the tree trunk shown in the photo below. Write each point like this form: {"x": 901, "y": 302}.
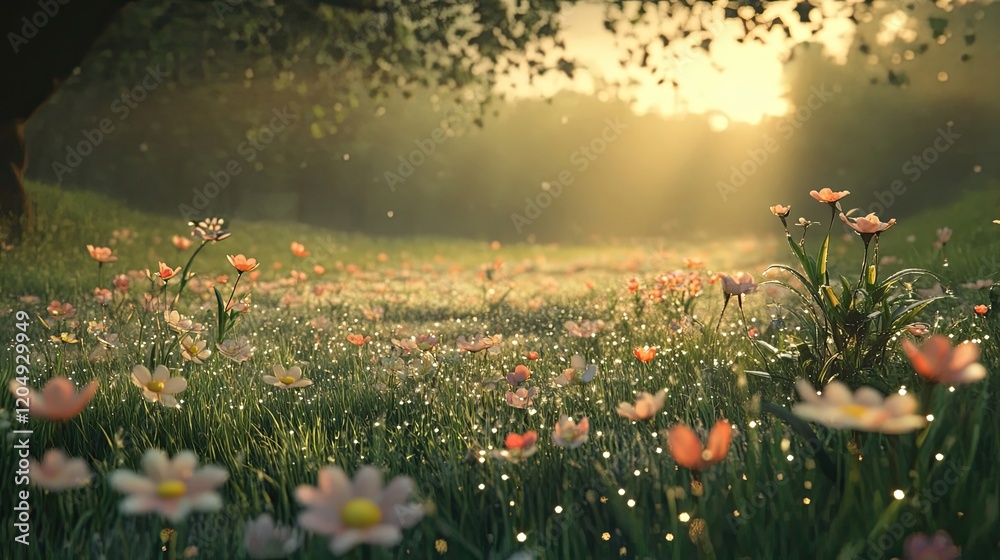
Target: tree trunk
{"x": 16, "y": 212}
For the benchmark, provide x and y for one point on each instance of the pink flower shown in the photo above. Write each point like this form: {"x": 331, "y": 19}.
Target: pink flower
{"x": 263, "y": 539}
{"x": 58, "y": 401}
{"x": 646, "y": 406}
{"x": 569, "y": 433}
{"x": 61, "y": 310}
{"x": 362, "y": 512}
{"x": 867, "y": 225}
{"x": 781, "y": 211}
{"x": 521, "y": 398}
{"x": 103, "y": 296}
{"x": 121, "y": 282}
{"x": 743, "y": 283}
{"x": 172, "y": 488}
{"x": 919, "y": 546}
{"x": 57, "y": 472}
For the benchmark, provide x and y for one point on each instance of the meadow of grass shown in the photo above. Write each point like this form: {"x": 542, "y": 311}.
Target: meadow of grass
{"x": 442, "y": 417}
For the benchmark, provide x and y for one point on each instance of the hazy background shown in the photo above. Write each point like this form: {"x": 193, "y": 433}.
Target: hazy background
{"x": 660, "y": 176}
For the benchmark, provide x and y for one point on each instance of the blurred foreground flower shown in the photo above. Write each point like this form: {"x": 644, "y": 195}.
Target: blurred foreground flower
{"x": 262, "y": 539}
{"x": 865, "y": 410}
{"x": 584, "y": 329}
{"x": 58, "y": 400}
{"x": 299, "y": 250}
{"x": 937, "y": 362}
{"x": 362, "y": 512}
{"x": 919, "y": 546}
{"x": 570, "y": 433}
{"x": 172, "y": 488}
{"x": 688, "y": 452}
{"x": 158, "y": 386}
{"x": 181, "y": 243}
{"x": 290, "y": 379}
{"x": 646, "y": 406}
{"x": 57, "y": 472}
{"x": 517, "y": 447}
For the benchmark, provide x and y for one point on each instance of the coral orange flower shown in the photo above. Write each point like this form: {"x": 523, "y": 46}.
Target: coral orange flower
{"x": 981, "y": 309}
{"x": 531, "y": 355}
{"x": 519, "y": 375}
{"x": 521, "y": 442}
{"x": 694, "y": 263}
{"x": 644, "y": 353}
{"x": 58, "y": 401}
{"x": 828, "y": 196}
{"x": 122, "y": 282}
{"x": 358, "y": 339}
{"x": 101, "y": 254}
{"x": 299, "y": 250}
{"x": 633, "y": 285}
{"x": 166, "y": 273}
{"x": 181, "y": 243}
{"x": 319, "y": 270}
{"x": 688, "y": 452}
{"x": 242, "y": 264}
{"x": 867, "y": 225}
{"x": 937, "y": 362}
{"x": 61, "y": 310}
{"x": 781, "y": 211}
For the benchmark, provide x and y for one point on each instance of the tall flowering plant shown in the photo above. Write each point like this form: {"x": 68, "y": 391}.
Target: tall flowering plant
{"x": 848, "y": 325}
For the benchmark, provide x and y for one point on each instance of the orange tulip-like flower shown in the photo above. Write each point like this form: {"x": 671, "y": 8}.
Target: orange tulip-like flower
{"x": 981, "y": 309}
{"x": 101, "y": 254}
{"x": 358, "y": 339}
{"x": 781, "y": 211}
{"x": 319, "y": 270}
{"x": 868, "y": 224}
{"x": 58, "y": 400}
{"x": 828, "y": 196}
{"x": 299, "y": 250}
{"x": 688, "y": 452}
{"x": 521, "y": 442}
{"x": 166, "y": 273}
{"x": 242, "y": 264}
{"x": 937, "y": 362}
{"x": 693, "y": 263}
{"x": 181, "y": 243}
{"x": 644, "y": 353}
{"x": 519, "y": 375}
{"x": 531, "y": 355}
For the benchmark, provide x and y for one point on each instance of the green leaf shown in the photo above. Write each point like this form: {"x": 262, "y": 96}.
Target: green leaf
{"x": 222, "y": 314}
{"x": 822, "y": 259}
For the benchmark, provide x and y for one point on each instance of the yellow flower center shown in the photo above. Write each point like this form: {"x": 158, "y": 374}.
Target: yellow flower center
{"x": 155, "y": 386}
{"x": 361, "y": 513}
{"x": 854, "y": 410}
{"x": 193, "y": 350}
{"x": 171, "y": 489}
{"x": 287, "y": 380}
